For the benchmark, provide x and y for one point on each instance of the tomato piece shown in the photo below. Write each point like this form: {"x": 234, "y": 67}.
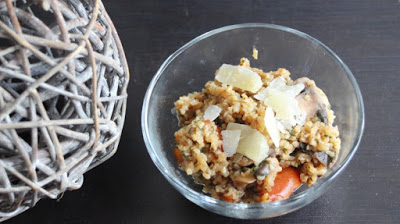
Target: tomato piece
{"x": 220, "y": 138}
{"x": 285, "y": 183}
{"x": 227, "y": 198}
{"x": 178, "y": 155}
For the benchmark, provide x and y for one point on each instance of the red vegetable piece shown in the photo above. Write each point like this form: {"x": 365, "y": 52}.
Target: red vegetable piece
{"x": 285, "y": 183}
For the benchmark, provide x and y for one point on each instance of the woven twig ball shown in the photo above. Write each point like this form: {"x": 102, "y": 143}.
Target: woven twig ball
{"x": 63, "y": 91}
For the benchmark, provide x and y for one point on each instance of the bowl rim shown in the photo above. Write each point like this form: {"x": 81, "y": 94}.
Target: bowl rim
{"x": 193, "y": 195}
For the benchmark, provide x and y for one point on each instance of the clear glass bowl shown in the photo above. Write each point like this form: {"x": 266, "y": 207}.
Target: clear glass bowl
{"x": 189, "y": 68}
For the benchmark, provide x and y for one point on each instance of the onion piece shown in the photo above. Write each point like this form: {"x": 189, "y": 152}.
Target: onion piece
{"x": 272, "y": 127}
{"x": 230, "y": 141}
{"x": 212, "y": 112}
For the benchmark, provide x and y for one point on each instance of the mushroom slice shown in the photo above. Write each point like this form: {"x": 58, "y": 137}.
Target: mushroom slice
{"x": 263, "y": 170}
{"x": 241, "y": 160}
{"x": 322, "y": 116}
{"x": 266, "y": 167}
{"x": 243, "y": 179}
{"x": 322, "y": 157}
{"x": 312, "y": 100}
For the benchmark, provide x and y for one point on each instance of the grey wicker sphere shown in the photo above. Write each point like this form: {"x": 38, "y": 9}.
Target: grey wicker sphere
{"x": 63, "y": 94}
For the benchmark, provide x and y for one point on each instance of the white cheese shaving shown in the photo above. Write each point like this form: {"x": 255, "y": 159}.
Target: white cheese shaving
{"x": 252, "y": 143}
{"x": 240, "y": 77}
{"x": 281, "y": 98}
{"x": 230, "y": 141}
{"x": 272, "y": 127}
{"x": 212, "y": 112}
{"x": 281, "y": 128}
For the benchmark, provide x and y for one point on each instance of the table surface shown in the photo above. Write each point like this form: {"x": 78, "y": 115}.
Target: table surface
{"x": 128, "y": 188}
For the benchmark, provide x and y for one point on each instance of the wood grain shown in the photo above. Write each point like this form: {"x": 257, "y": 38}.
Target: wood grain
{"x": 364, "y": 33}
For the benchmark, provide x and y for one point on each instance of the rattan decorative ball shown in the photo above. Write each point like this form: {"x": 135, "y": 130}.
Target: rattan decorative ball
{"x": 63, "y": 95}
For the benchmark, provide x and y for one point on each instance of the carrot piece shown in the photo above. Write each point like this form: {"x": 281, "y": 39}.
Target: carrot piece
{"x": 220, "y": 138}
{"x": 285, "y": 183}
{"x": 219, "y": 133}
{"x": 227, "y": 198}
{"x": 178, "y": 155}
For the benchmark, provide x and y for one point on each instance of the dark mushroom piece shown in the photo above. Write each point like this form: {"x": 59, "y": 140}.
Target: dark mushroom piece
{"x": 322, "y": 157}
{"x": 312, "y": 100}
{"x": 241, "y": 160}
{"x": 263, "y": 170}
{"x": 331, "y": 161}
{"x": 271, "y": 152}
{"x": 243, "y": 179}
{"x": 303, "y": 146}
{"x": 321, "y": 114}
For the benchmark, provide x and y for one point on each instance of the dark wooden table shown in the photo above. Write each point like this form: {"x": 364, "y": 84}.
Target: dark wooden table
{"x": 364, "y": 33}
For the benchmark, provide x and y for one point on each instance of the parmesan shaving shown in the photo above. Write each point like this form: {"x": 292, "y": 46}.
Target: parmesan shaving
{"x": 212, "y": 112}
{"x": 240, "y": 77}
{"x": 281, "y": 98}
{"x": 252, "y": 143}
{"x": 272, "y": 126}
{"x": 230, "y": 141}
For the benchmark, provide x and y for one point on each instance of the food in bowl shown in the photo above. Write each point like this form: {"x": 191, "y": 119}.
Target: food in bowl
{"x": 252, "y": 136}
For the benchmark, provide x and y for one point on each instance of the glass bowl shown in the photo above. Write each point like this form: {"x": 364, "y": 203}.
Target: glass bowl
{"x": 190, "y": 67}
